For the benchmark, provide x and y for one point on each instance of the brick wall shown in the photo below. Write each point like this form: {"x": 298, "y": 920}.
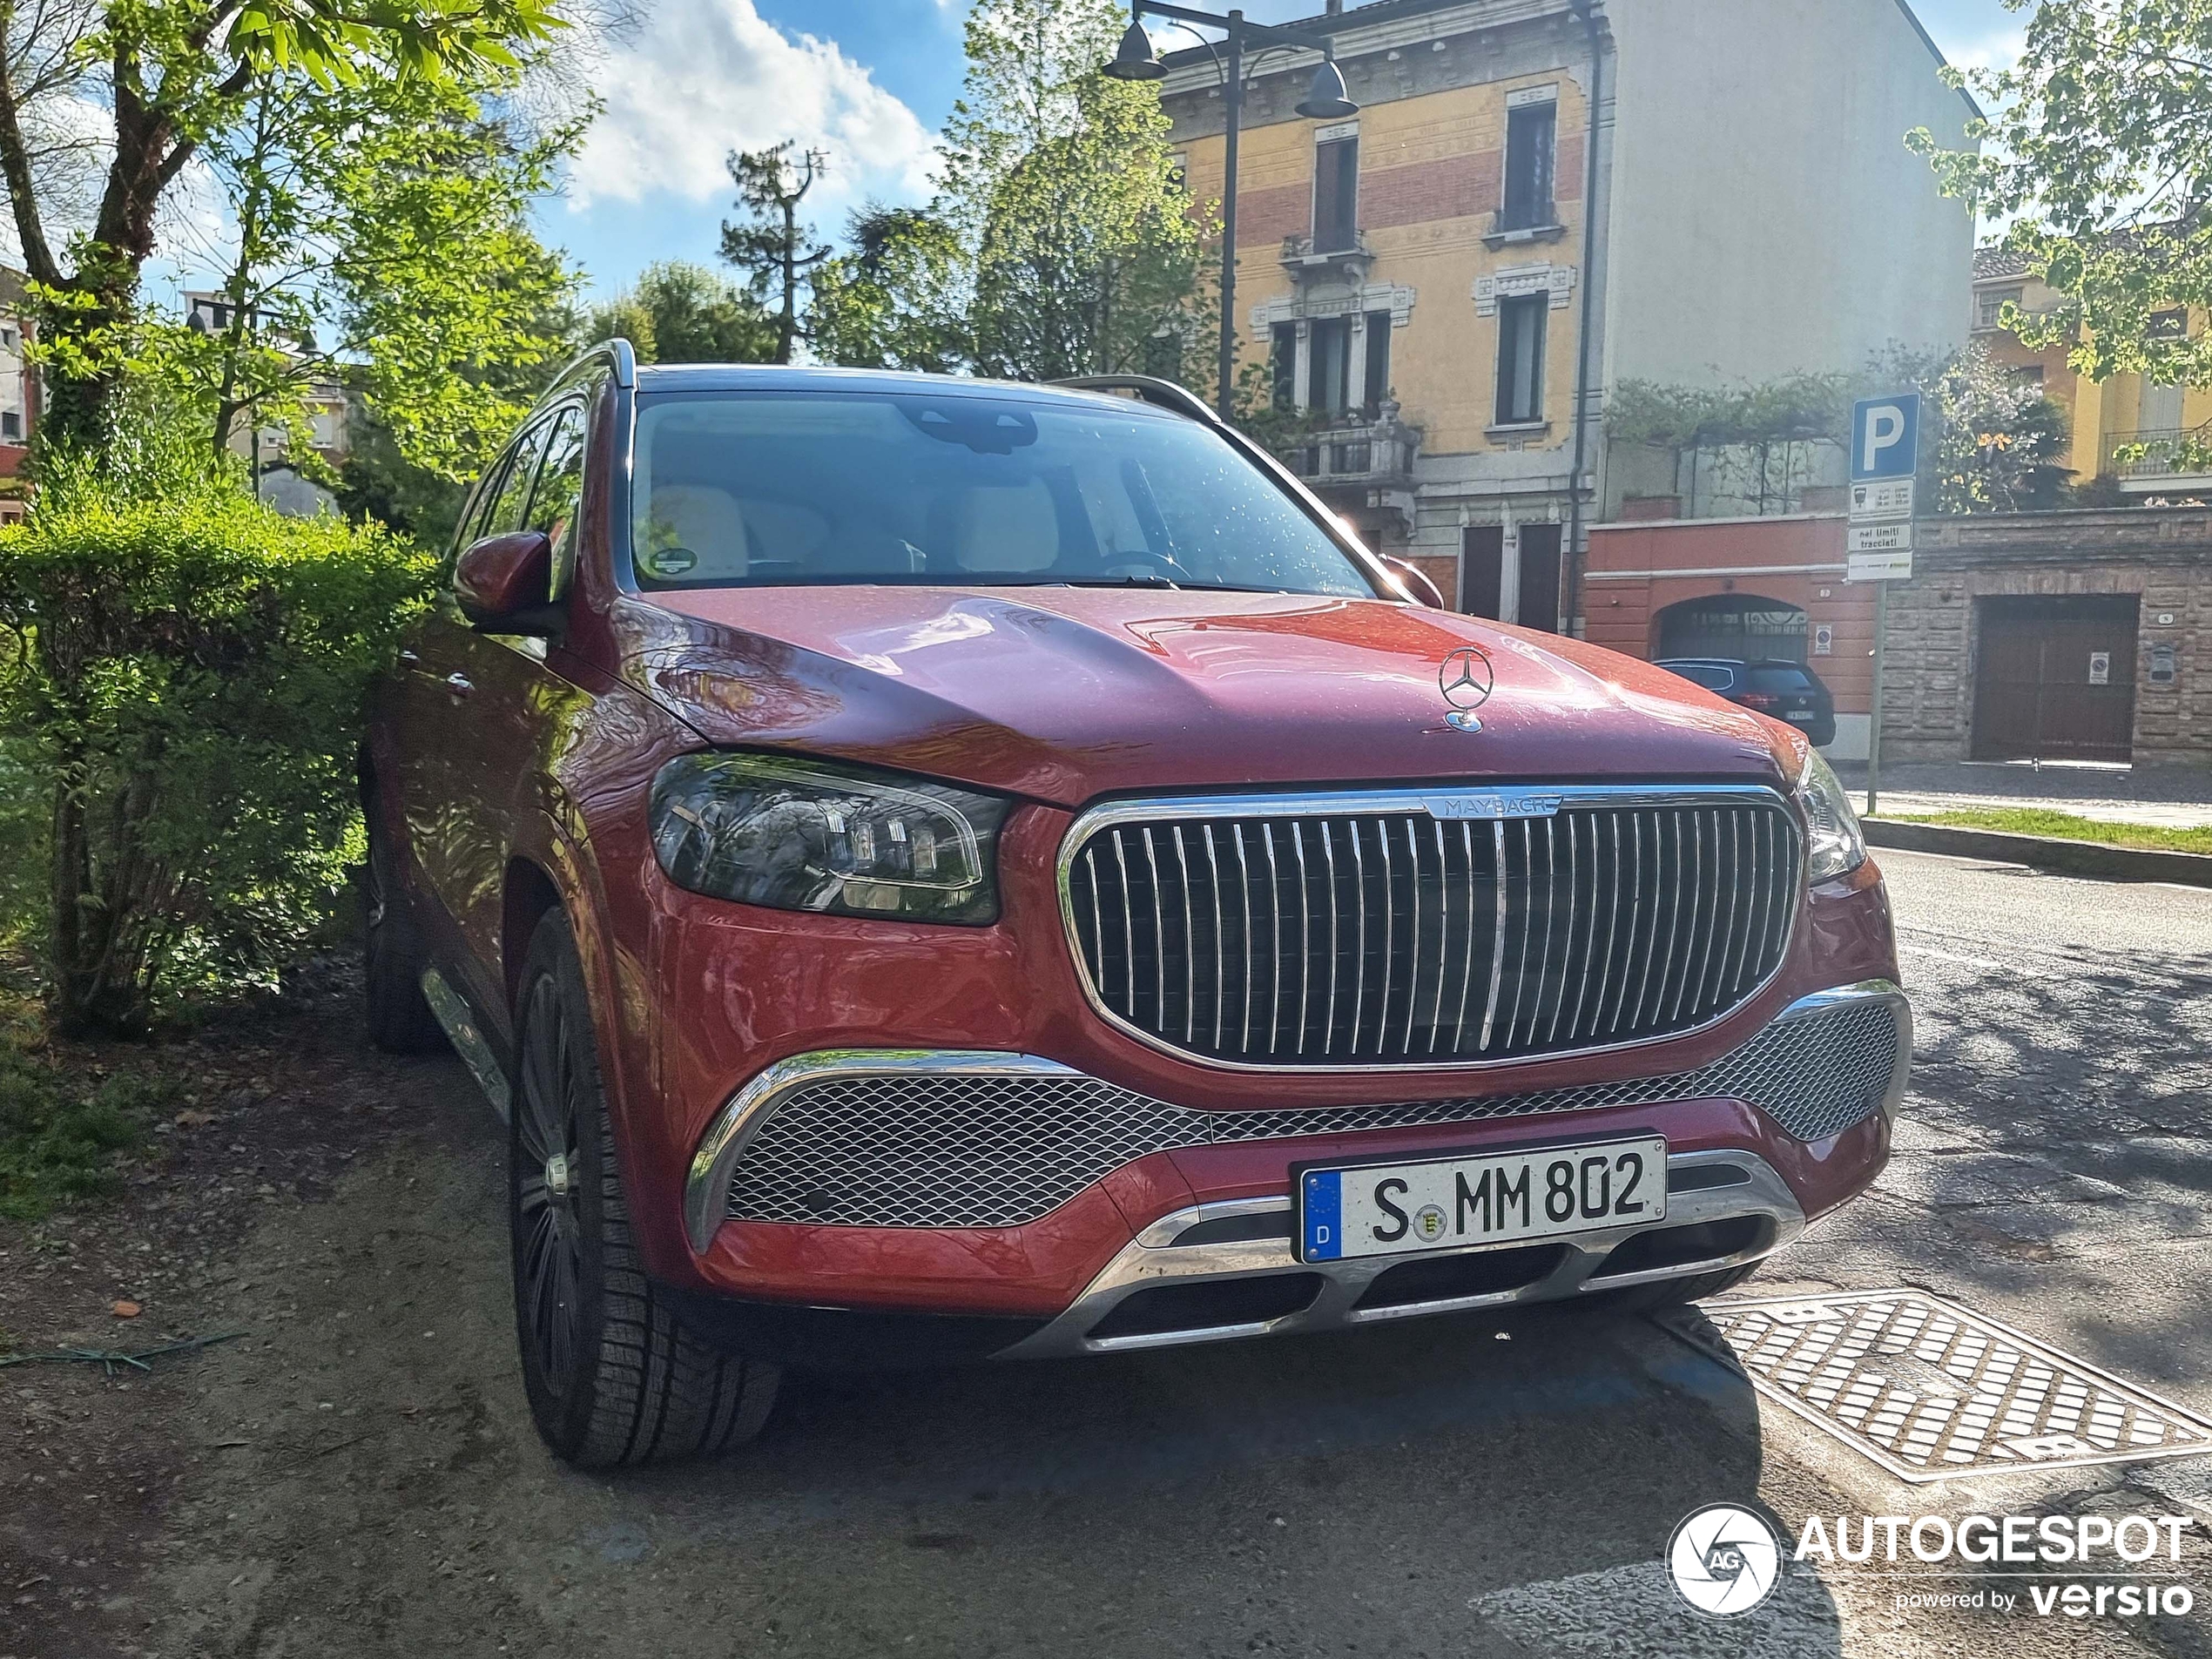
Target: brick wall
{"x": 1270, "y": 214}
{"x": 2163, "y": 557}
{"x": 1453, "y": 187}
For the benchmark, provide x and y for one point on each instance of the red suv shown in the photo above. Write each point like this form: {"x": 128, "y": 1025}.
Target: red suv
{"x": 932, "y": 868}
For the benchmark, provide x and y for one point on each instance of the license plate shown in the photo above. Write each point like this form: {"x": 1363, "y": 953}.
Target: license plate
{"x": 1501, "y": 1197}
{"x": 1801, "y": 717}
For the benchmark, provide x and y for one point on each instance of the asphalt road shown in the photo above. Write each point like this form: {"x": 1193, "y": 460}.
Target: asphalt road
{"x": 1472, "y": 1487}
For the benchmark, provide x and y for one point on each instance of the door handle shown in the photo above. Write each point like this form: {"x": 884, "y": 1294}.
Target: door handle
{"x": 459, "y": 684}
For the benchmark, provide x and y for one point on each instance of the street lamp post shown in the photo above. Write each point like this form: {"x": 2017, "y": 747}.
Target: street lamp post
{"x": 1325, "y": 100}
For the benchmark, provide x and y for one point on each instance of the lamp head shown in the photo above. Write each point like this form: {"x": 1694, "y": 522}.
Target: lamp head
{"x": 1327, "y": 99}
{"x": 1135, "y": 60}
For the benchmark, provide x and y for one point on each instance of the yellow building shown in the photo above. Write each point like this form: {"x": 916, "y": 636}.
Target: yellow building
{"x": 2103, "y": 417}
{"x": 1539, "y": 199}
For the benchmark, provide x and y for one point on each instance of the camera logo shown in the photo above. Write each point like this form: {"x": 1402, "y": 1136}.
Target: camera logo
{"x": 1724, "y": 1559}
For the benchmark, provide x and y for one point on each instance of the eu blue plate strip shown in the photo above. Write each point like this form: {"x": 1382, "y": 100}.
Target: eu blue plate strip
{"x": 1322, "y": 1208}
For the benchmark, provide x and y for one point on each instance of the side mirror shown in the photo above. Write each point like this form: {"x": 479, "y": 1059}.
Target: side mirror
{"x": 1415, "y": 581}
{"x": 505, "y": 579}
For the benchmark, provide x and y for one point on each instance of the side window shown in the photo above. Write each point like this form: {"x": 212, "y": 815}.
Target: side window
{"x": 560, "y": 492}
{"x": 515, "y": 490}
{"x": 471, "y": 528}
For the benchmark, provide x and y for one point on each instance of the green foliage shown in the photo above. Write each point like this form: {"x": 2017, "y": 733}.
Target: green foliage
{"x": 169, "y": 84}
{"x": 376, "y": 482}
{"x": 2070, "y": 826}
{"x": 897, "y": 299}
{"x": 1060, "y": 241}
{"x": 1990, "y": 442}
{"x": 1061, "y": 184}
{"x": 185, "y": 670}
{"x": 2100, "y": 155}
{"x": 679, "y": 313}
{"x": 1795, "y": 407}
{"x": 1282, "y": 427}
{"x": 59, "y": 1142}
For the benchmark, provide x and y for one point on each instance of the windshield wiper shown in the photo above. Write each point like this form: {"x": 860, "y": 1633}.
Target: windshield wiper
{"x": 1119, "y": 582}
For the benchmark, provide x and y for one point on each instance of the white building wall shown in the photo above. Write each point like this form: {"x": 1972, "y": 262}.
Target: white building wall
{"x": 1766, "y": 216}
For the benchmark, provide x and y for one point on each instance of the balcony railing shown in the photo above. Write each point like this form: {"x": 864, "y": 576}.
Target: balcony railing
{"x": 1303, "y": 253}
{"x": 2158, "y": 453}
{"x": 1365, "y": 451}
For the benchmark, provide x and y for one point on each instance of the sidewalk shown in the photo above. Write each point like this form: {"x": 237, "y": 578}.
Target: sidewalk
{"x": 2166, "y": 797}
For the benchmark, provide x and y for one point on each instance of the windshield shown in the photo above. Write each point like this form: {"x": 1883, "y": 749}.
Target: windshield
{"x": 782, "y": 488}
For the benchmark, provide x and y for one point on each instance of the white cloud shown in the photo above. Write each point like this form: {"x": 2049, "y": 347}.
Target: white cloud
{"x": 705, "y": 76}
{"x": 1997, "y": 51}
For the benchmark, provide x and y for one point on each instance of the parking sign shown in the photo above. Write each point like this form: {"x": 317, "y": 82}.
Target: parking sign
{"x": 1885, "y": 436}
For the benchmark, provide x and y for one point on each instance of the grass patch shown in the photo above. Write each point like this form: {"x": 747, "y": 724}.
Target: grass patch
{"x": 2068, "y": 826}
{"x": 60, "y": 1141}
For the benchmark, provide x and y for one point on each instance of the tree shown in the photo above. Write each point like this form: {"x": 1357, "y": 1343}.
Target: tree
{"x": 897, "y": 299}
{"x": 1989, "y": 442}
{"x": 776, "y": 251}
{"x": 1085, "y": 245}
{"x": 165, "y": 79}
{"x": 383, "y": 242}
{"x": 2100, "y": 154}
{"x": 678, "y": 312}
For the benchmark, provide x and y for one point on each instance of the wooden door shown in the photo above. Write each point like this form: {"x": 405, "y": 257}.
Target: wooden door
{"x": 2054, "y": 679}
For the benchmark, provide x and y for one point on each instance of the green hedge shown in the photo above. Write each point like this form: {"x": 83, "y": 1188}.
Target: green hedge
{"x": 182, "y": 681}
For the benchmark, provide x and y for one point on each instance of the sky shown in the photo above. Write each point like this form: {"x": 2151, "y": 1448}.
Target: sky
{"x": 869, "y": 81}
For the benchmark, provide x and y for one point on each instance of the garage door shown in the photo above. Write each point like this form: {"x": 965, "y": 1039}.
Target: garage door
{"x": 2054, "y": 679}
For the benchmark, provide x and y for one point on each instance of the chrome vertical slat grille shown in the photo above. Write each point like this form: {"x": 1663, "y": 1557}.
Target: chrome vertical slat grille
{"x": 1388, "y": 934}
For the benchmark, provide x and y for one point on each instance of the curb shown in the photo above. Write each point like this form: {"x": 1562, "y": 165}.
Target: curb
{"x": 2094, "y": 859}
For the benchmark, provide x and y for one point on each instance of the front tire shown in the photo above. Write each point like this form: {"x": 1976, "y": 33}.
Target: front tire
{"x": 613, "y": 1376}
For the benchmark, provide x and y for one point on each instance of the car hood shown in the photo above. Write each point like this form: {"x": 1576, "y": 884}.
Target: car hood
{"x": 1062, "y": 694}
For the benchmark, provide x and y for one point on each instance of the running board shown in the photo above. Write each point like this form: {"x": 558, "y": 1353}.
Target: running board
{"x": 460, "y": 1027}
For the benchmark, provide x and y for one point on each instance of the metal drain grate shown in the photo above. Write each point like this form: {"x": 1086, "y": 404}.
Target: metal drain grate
{"x": 1931, "y": 1391}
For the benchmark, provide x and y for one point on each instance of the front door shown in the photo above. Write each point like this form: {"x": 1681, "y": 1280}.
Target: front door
{"x": 2054, "y": 678}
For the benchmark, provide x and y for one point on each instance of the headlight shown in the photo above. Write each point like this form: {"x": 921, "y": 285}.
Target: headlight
{"x": 803, "y": 835}
{"x": 1837, "y": 846}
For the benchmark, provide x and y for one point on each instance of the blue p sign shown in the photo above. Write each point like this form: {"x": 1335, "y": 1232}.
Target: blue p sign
{"x": 1885, "y": 436}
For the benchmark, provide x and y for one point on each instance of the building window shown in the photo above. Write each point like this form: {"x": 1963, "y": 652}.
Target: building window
{"x": 1990, "y": 302}
{"x": 1336, "y": 194}
{"x": 2168, "y": 324}
{"x": 1530, "y": 131}
{"x": 1520, "y": 358}
{"x": 11, "y": 424}
{"x": 1283, "y": 365}
{"x": 1328, "y": 386}
{"x": 1377, "y": 386}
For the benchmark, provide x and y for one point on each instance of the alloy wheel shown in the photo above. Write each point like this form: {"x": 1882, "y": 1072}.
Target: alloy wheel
{"x": 548, "y": 1186}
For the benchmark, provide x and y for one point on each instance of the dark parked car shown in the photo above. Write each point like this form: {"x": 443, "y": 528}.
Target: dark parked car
{"x": 1775, "y": 686}
{"x": 930, "y": 868}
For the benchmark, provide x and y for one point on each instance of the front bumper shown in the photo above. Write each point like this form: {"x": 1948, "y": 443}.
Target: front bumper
{"x": 1006, "y": 1183}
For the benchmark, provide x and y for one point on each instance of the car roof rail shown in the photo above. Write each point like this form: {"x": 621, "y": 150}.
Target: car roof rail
{"x": 1149, "y": 388}
{"x": 618, "y": 353}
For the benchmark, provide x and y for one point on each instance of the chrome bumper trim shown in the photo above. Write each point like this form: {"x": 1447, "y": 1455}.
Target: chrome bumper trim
{"x": 1153, "y": 1258}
